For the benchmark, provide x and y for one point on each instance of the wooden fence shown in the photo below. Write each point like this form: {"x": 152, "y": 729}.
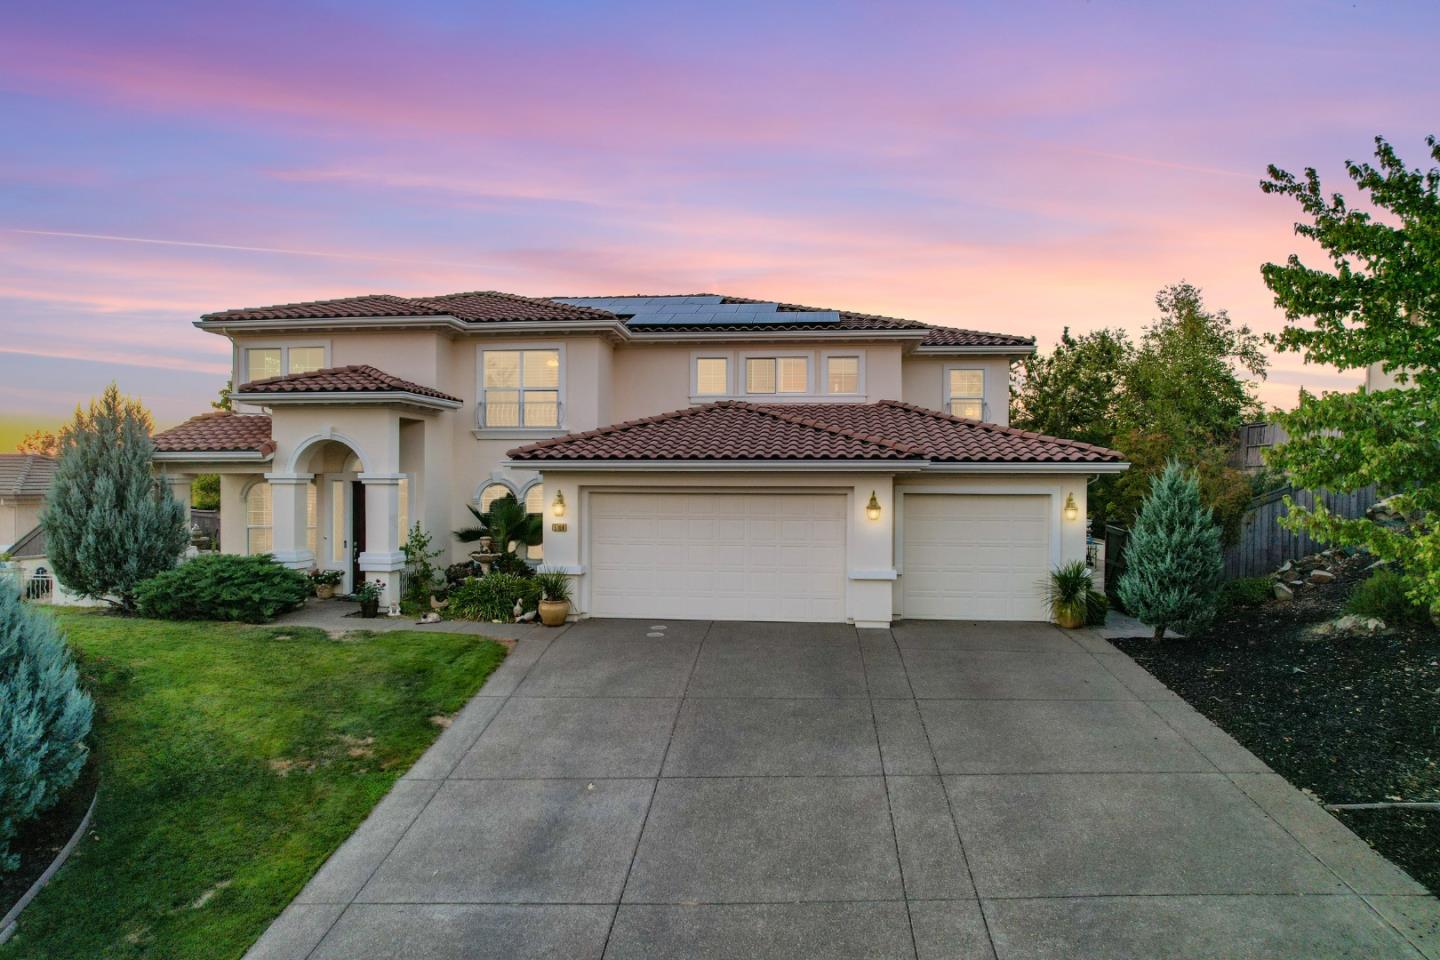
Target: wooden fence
{"x": 1264, "y": 544}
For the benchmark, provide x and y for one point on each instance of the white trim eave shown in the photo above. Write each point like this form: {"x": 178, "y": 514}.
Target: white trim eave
{"x": 211, "y": 456}
{"x": 952, "y": 351}
{"x": 807, "y": 466}
{"x": 1077, "y": 467}
{"x": 444, "y": 321}
{"x": 347, "y": 397}
{"x": 720, "y": 466}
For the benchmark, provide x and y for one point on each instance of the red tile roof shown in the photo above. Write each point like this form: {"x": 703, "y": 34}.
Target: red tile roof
{"x": 357, "y": 378}
{"x": 491, "y": 306}
{"x": 889, "y": 430}
{"x": 218, "y": 432}
{"x": 26, "y": 474}
{"x": 479, "y": 306}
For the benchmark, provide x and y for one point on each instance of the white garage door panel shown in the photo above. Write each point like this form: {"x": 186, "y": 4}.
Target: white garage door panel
{"x": 717, "y": 556}
{"x": 975, "y": 557}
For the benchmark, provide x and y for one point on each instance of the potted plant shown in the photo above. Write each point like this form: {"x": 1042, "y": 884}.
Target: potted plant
{"x": 1068, "y": 591}
{"x": 554, "y": 596}
{"x": 325, "y": 582}
{"x": 368, "y": 593}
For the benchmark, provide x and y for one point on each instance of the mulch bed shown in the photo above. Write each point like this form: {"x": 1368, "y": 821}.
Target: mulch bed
{"x": 41, "y": 840}
{"x": 1348, "y": 719}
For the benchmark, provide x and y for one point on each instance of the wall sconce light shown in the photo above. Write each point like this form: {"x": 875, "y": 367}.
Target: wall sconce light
{"x": 872, "y": 509}
{"x": 559, "y": 507}
{"x": 1071, "y": 511}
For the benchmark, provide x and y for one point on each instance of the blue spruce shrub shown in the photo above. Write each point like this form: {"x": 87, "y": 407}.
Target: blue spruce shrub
{"x": 1173, "y": 562}
{"x": 44, "y": 718}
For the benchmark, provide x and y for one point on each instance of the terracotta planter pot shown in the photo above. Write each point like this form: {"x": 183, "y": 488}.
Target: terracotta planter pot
{"x": 1069, "y": 619}
{"x": 554, "y": 612}
{"x": 324, "y": 591}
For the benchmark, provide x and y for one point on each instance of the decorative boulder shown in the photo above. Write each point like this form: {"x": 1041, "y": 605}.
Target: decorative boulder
{"x": 1283, "y": 592}
{"x": 1321, "y": 576}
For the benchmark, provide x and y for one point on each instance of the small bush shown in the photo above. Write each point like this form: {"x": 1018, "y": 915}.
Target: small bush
{"x": 224, "y": 587}
{"x": 553, "y": 584}
{"x": 1097, "y": 606}
{"x": 513, "y": 565}
{"x": 493, "y": 597}
{"x": 44, "y": 718}
{"x": 1383, "y": 596}
{"x": 1245, "y": 592}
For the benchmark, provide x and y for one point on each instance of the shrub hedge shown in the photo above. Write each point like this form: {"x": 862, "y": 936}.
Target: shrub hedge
{"x": 252, "y": 589}
{"x": 493, "y": 597}
{"x": 1383, "y": 596}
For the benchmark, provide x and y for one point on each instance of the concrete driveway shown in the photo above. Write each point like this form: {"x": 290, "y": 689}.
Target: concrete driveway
{"x": 939, "y": 790}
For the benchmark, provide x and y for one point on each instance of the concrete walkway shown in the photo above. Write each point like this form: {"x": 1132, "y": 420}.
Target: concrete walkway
{"x": 659, "y": 790}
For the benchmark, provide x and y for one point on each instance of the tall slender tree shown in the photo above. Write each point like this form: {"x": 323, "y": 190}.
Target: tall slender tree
{"x": 109, "y": 524}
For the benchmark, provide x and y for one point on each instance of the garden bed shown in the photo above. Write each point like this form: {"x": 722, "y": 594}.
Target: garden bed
{"x": 232, "y": 761}
{"x": 40, "y": 841}
{"x": 1348, "y": 719}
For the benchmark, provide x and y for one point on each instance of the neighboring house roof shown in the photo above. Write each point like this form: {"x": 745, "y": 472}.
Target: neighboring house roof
{"x": 637, "y": 312}
{"x": 888, "y": 430}
{"x": 26, "y": 474}
{"x": 218, "y": 432}
{"x": 29, "y": 547}
{"x": 353, "y": 379}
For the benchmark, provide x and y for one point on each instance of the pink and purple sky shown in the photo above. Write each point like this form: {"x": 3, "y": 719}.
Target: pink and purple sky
{"x": 1003, "y": 166}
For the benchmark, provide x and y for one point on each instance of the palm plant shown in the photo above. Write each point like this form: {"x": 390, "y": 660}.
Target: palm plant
{"x": 506, "y": 523}
{"x": 1068, "y": 589}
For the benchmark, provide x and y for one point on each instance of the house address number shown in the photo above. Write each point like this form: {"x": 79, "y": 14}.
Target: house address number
{"x": 559, "y": 527}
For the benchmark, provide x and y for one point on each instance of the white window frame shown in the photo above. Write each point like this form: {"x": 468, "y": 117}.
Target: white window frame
{"x": 518, "y": 431}
{"x": 486, "y": 485}
{"x": 695, "y": 358}
{"x": 984, "y": 386}
{"x": 822, "y": 381}
{"x": 242, "y": 364}
{"x": 742, "y": 373}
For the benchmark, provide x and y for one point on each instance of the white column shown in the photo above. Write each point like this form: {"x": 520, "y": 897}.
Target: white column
{"x": 871, "y": 552}
{"x": 382, "y": 558}
{"x": 289, "y": 517}
{"x": 179, "y": 484}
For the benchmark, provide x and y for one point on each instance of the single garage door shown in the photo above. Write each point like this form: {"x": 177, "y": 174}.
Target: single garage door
{"x": 713, "y": 556}
{"x": 973, "y": 557}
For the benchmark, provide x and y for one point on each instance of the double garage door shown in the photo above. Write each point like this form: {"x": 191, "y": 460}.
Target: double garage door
{"x": 781, "y": 556}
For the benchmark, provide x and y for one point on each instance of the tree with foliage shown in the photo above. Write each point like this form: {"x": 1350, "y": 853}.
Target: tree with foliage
{"x": 205, "y": 488}
{"x": 1376, "y": 302}
{"x": 43, "y": 442}
{"x": 1075, "y": 391}
{"x": 44, "y": 718}
{"x": 1172, "y": 559}
{"x": 109, "y": 524}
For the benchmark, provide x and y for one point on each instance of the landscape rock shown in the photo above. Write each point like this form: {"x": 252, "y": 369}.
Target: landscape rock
{"x": 1321, "y": 576}
{"x": 1283, "y": 592}
{"x": 1350, "y": 625}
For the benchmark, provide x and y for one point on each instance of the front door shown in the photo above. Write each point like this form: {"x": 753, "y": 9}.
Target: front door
{"x": 357, "y": 530}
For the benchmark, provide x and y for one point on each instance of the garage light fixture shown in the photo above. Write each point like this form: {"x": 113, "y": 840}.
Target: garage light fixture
{"x": 872, "y": 509}
{"x": 1071, "y": 511}
{"x": 558, "y": 508}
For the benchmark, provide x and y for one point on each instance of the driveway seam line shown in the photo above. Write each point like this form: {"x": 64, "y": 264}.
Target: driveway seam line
{"x": 654, "y": 788}
{"x": 949, "y": 807}
{"x": 421, "y": 812}
{"x": 885, "y": 785}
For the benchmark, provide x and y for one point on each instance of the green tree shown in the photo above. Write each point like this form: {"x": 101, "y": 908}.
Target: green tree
{"x": 1075, "y": 391}
{"x": 108, "y": 523}
{"x": 1377, "y": 301}
{"x": 205, "y": 489}
{"x": 1172, "y": 559}
{"x": 506, "y": 523}
{"x": 44, "y": 717}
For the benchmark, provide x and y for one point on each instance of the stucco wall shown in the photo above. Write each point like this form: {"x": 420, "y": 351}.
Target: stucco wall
{"x": 924, "y": 382}
{"x": 17, "y": 518}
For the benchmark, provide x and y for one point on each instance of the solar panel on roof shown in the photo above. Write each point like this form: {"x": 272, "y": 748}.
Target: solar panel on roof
{"x": 718, "y": 319}
{"x": 706, "y": 311}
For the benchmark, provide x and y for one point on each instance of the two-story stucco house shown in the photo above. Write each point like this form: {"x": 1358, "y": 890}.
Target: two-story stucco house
{"x": 692, "y": 456}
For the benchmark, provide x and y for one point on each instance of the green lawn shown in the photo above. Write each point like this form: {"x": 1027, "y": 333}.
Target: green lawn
{"x": 233, "y": 760}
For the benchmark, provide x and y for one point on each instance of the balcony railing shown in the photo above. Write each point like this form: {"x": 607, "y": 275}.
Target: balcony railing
{"x": 534, "y": 415}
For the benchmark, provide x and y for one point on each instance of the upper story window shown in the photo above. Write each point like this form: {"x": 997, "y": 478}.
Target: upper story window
{"x": 712, "y": 376}
{"x": 264, "y": 362}
{"x": 965, "y": 393}
{"x": 842, "y": 374}
{"x": 521, "y": 388}
{"x": 777, "y": 374}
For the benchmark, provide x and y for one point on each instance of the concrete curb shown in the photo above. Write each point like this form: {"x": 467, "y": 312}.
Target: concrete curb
{"x": 8, "y": 923}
